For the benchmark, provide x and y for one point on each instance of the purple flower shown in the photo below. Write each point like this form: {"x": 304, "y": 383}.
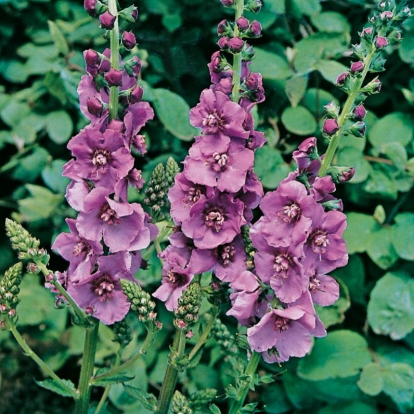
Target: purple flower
{"x": 89, "y": 6}
{"x": 306, "y": 154}
{"x": 136, "y": 95}
{"x": 107, "y": 20}
{"x": 101, "y": 292}
{"x": 225, "y": 166}
{"x": 214, "y": 221}
{"x": 217, "y": 114}
{"x": 102, "y": 158}
{"x": 137, "y": 116}
{"x": 119, "y": 224}
{"x": 330, "y": 126}
{"x": 78, "y": 251}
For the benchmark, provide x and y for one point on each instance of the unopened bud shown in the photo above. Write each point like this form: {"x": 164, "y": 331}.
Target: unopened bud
{"x": 94, "y": 106}
{"x": 227, "y": 3}
{"x": 224, "y": 28}
{"x": 255, "y": 29}
{"x": 359, "y": 113}
{"x": 381, "y": 42}
{"x": 90, "y": 7}
{"x": 330, "y": 127}
{"x": 372, "y": 87}
{"x": 235, "y": 44}
{"x": 128, "y": 40}
{"x": 136, "y": 94}
{"x": 254, "y": 5}
{"x": 331, "y": 110}
{"x": 335, "y": 204}
{"x": 114, "y": 77}
{"x": 107, "y": 20}
{"x": 358, "y": 129}
{"x": 341, "y": 174}
{"x": 92, "y": 58}
{"x": 242, "y": 23}
{"x": 357, "y": 67}
{"x": 366, "y": 32}
{"x": 386, "y": 15}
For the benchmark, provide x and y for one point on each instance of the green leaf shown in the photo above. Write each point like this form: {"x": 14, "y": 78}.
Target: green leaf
{"x": 406, "y": 50}
{"x": 354, "y": 157}
{"x": 14, "y": 71}
{"x": 52, "y": 176}
{"x": 398, "y": 384}
{"x": 214, "y": 409}
{"x": 295, "y": 89}
{"x": 395, "y": 127}
{"x": 147, "y": 400}
{"x": 14, "y": 112}
{"x": 402, "y": 239}
{"x": 270, "y": 65}
{"x": 341, "y": 354}
{"x": 58, "y": 38}
{"x": 59, "y": 126}
{"x": 52, "y": 385}
{"x": 270, "y": 166}
{"x": 357, "y": 235}
{"x": 29, "y": 167}
{"x": 299, "y": 120}
{"x": 371, "y": 381}
{"x": 396, "y": 153}
{"x": 112, "y": 379}
{"x": 274, "y": 399}
{"x": 380, "y": 248}
{"x": 173, "y": 113}
{"x": 355, "y": 407}
{"x": 391, "y": 308}
{"x": 316, "y": 98}
{"x": 379, "y": 214}
{"x": 331, "y": 22}
{"x": 172, "y": 21}
{"x": 309, "y": 7}
{"x": 276, "y": 6}
{"x": 330, "y": 69}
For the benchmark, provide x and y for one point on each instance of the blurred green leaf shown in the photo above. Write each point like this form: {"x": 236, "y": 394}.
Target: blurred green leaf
{"x": 331, "y": 22}
{"x": 357, "y": 235}
{"x": 52, "y": 176}
{"x": 309, "y": 7}
{"x": 59, "y": 126}
{"x": 354, "y": 157}
{"x": 58, "y": 38}
{"x": 406, "y": 50}
{"x": 402, "y": 236}
{"x": 56, "y": 387}
{"x": 330, "y": 69}
{"x": 355, "y": 407}
{"x": 398, "y": 384}
{"x": 270, "y": 65}
{"x": 371, "y": 381}
{"x": 299, "y": 120}
{"x": 295, "y": 89}
{"x": 391, "y": 307}
{"x": 341, "y": 354}
{"x": 29, "y": 167}
{"x": 380, "y": 248}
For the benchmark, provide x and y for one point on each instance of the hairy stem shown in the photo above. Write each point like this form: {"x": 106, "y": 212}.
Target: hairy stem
{"x": 30, "y": 353}
{"x": 114, "y": 44}
{"x": 88, "y": 363}
{"x": 244, "y": 384}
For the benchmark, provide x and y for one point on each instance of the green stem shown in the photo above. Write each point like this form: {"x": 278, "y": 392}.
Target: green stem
{"x": 244, "y": 385}
{"x": 125, "y": 365}
{"x": 88, "y": 363}
{"x": 78, "y": 311}
{"x": 105, "y": 394}
{"x": 204, "y": 336}
{"x": 237, "y": 58}
{"x": 114, "y": 44}
{"x": 30, "y": 353}
{"x": 333, "y": 143}
{"x": 171, "y": 374}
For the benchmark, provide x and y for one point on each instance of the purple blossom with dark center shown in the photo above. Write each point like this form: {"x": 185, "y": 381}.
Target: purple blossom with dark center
{"x": 102, "y": 158}
{"x": 78, "y": 251}
{"x": 214, "y": 221}
{"x": 225, "y": 166}
{"x": 119, "y": 224}
{"x": 183, "y": 195}
{"x": 101, "y": 292}
{"x": 217, "y": 114}
{"x": 245, "y": 297}
{"x": 325, "y": 242}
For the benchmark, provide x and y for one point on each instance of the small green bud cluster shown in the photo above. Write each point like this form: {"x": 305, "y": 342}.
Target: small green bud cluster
{"x": 180, "y": 404}
{"x": 140, "y": 301}
{"x": 224, "y": 338}
{"x": 202, "y": 398}
{"x": 122, "y": 332}
{"x": 9, "y": 290}
{"x": 186, "y": 314}
{"x": 26, "y": 245}
{"x": 248, "y": 247}
{"x": 156, "y": 193}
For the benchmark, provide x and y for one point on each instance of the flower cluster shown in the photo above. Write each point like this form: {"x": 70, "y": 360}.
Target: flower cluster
{"x": 214, "y": 196}
{"x": 105, "y": 239}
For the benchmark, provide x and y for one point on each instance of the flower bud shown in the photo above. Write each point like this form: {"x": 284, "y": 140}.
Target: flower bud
{"x": 94, "y": 106}
{"x": 357, "y": 67}
{"x": 341, "y": 174}
{"x": 331, "y": 110}
{"x": 335, "y": 204}
{"x": 107, "y": 20}
{"x": 386, "y": 15}
{"x": 340, "y": 80}
{"x": 235, "y": 44}
{"x": 255, "y": 29}
{"x": 114, "y": 77}
{"x": 134, "y": 13}
{"x": 359, "y": 113}
{"x": 133, "y": 66}
{"x": 227, "y": 3}
{"x": 224, "y": 28}
{"x": 92, "y": 58}
{"x": 242, "y": 23}
{"x": 247, "y": 52}
{"x": 90, "y": 7}
{"x": 254, "y": 5}
{"x": 136, "y": 94}
{"x": 403, "y": 14}
{"x": 394, "y": 37}
{"x": 366, "y": 32}
{"x": 223, "y": 43}
{"x": 330, "y": 126}
{"x": 252, "y": 81}
{"x": 381, "y": 42}
{"x": 372, "y": 87}
{"x": 358, "y": 129}
{"x": 128, "y": 40}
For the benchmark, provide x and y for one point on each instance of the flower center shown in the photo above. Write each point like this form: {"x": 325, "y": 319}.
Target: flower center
{"x": 218, "y": 161}
{"x": 314, "y": 284}
{"x": 81, "y": 248}
{"x": 319, "y": 241}
{"x": 109, "y": 216}
{"x": 214, "y": 218}
{"x": 100, "y": 157}
{"x": 290, "y": 213}
{"x": 175, "y": 278}
{"x": 104, "y": 287}
{"x": 212, "y": 122}
{"x": 281, "y": 324}
{"x": 226, "y": 254}
{"x": 281, "y": 265}
{"x": 193, "y": 194}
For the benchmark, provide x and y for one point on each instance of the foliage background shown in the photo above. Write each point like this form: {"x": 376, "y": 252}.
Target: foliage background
{"x": 366, "y": 364}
